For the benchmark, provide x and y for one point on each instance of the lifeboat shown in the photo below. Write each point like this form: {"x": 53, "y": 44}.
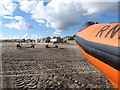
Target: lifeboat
{"x": 99, "y": 43}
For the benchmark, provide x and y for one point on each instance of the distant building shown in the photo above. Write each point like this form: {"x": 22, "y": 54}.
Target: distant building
{"x": 53, "y": 40}
{"x": 42, "y": 40}
{"x": 65, "y": 39}
{"x": 56, "y": 40}
{"x": 47, "y": 39}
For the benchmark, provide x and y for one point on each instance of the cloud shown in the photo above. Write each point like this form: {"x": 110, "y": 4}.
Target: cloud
{"x": 19, "y": 23}
{"x": 27, "y": 6}
{"x": 35, "y": 36}
{"x": 37, "y": 10}
{"x": 8, "y": 37}
{"x": 100, "y": 7}
{"x": 8, "y": 17}
{"x": 25, "y": 36}
{"x": 7, "y": 7}
{"x": 57, "y": 32}
{"x": 32, "y": 36}
{"x": 47, "y": 0}
{"x": 1, "y": 36}
{"x": 62, "y": 14}
{"x": 1, "y": 23}
{"x": 41, "y": 21}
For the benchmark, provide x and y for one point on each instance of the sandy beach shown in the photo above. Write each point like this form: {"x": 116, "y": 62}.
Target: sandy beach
{"x": 43, "y": 68}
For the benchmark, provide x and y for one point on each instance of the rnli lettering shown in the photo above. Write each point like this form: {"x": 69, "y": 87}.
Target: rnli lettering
{"x": 112, "y": 31}
{"x": 102, "y": 30}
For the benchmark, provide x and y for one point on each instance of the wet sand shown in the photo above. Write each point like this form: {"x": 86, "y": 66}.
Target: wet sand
{"x": 49, "y": 68}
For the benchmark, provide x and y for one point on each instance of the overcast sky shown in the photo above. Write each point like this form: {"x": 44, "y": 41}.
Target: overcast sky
{"x": 41, "y": 18}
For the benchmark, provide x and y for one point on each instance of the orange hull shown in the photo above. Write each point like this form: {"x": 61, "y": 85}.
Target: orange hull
{"x": 100, "y": 45}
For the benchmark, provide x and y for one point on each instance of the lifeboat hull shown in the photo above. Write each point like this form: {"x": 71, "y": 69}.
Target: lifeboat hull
{"x": 99, "y": 43}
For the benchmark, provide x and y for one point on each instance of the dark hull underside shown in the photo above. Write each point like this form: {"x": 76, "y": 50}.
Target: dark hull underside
{"x": 107, "y": 54}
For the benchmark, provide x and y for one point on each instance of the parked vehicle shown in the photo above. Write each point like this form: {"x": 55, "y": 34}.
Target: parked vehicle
{"x": 25, "y": 45}
{"x": 51, "y": 45}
